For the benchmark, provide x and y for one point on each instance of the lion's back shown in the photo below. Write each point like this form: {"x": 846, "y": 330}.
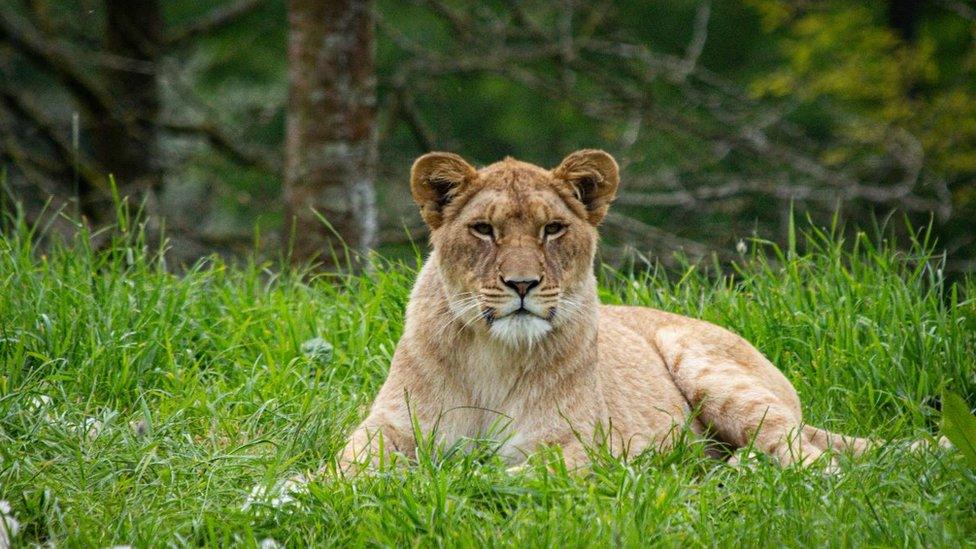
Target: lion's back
{"x": 673, "y": 337}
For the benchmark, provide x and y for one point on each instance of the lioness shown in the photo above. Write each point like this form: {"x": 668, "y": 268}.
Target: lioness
{"x": 504, "y": 323}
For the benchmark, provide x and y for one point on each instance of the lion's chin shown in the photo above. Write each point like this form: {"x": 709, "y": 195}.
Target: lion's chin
{"x": 520, "y": 330}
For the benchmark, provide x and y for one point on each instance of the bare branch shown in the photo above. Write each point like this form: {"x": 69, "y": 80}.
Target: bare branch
{"x": 52, "y": 55}
{"x": 218, "y": 19}
{"x": 224, "y": 143}
{"x": 27, "y": 109}
{"x": 411, "y": 116}
{"x": 208, "y": 127}
{"x": 30, "y": 165}
{"x": 397, "y": 36}
{"x": 642, "y": 232}
{"x": 459, "y": 23}
{"x": 962, "y": 9}
{"x": 515, "y": 7}
{"x": 698, "y": 37}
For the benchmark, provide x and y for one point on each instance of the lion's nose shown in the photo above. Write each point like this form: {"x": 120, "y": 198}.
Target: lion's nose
{"x": 522, "y": 286}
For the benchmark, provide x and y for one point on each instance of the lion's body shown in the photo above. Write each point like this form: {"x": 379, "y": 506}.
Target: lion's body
{"x": 556, "y": 367}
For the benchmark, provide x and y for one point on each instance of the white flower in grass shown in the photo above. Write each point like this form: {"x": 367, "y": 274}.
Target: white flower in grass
{"x": 40, "y": 402}
{"x": 8, "y": 525}
{"x": 41, "y": 406}
{"x": 89, "y": 426}
{"x": 318, "y": 350}
{"x": 741, "y": 247}
{"x": 270, "y": 543}
{"x": 280, "y": 495}
{"x": 139, "y": 427}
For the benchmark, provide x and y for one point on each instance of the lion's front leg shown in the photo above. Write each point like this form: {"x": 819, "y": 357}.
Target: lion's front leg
{"x": 373, "y": 443}
{"x": 574, "y": 456}
{"x": 386, "y": 431}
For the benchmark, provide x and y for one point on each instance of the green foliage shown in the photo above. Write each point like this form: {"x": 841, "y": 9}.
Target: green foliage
{"x": 959, "y": 425}
{"x": 209, "y": 383}
{"x": 843, "y": 55}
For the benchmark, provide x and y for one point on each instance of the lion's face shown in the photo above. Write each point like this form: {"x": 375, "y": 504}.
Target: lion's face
{"x": 515, "y": 242}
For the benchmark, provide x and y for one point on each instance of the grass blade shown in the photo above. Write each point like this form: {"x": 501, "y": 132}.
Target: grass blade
{"x": 959, "y": 425}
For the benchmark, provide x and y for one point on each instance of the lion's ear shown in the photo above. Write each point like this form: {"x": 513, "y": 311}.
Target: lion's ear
{"x": 593, "y": 177}
{"x": 435, "y": 180}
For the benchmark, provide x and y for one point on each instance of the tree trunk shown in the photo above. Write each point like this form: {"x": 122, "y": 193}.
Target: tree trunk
{"x": 330, "y": 145}
{"x": 124, "y": 141}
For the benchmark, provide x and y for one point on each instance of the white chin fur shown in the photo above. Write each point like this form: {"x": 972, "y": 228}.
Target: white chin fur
{"x": 520, "y": 330}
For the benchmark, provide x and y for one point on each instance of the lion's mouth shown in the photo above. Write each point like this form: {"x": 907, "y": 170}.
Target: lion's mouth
{"x": 523, "y": 311}
{"x": 491, "y": 315}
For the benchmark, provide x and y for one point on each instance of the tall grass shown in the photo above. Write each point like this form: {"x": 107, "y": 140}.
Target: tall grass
{"x": 201, "y": 390}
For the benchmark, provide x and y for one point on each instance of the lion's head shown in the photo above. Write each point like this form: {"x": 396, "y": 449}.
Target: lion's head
{"x": 515, "y": 242}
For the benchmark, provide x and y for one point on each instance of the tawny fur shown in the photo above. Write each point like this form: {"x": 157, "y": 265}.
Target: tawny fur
{"x": 565, "y": 371}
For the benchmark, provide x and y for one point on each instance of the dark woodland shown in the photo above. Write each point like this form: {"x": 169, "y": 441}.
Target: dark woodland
{"x": 291, "y": 125}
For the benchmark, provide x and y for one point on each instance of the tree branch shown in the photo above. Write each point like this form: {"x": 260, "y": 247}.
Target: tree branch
{"x": 962, "y": 9}
{"x": 30, "y": 166}
{"x": 411, "y": 117}
{"x": 218, "y": 19}
{"x": 459, "y": 23}
{"x": 51, "y": 54}
{"x": 25, "y": 108}
{"x": 698, "y": 37}
{"x": 224, "y": 143}
{"x": 641, "y": 230}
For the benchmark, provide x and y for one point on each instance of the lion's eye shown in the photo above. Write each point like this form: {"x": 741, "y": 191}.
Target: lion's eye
{"x": 484, "y": 229}
{"x": 554, "y": 228}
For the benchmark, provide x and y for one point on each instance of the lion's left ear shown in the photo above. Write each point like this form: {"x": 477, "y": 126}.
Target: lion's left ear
{"x": 594, "y": 177}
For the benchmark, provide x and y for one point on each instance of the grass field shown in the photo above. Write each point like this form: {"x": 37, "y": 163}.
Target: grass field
{"x": 141, "y": 407}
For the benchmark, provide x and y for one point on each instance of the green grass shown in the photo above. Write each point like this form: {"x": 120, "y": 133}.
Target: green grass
{"x": 204, "y": 391}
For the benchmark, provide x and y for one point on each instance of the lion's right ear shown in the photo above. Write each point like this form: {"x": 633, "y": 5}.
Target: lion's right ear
{"x": 435, "y": 179}
{"x": 593, "y": 176}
